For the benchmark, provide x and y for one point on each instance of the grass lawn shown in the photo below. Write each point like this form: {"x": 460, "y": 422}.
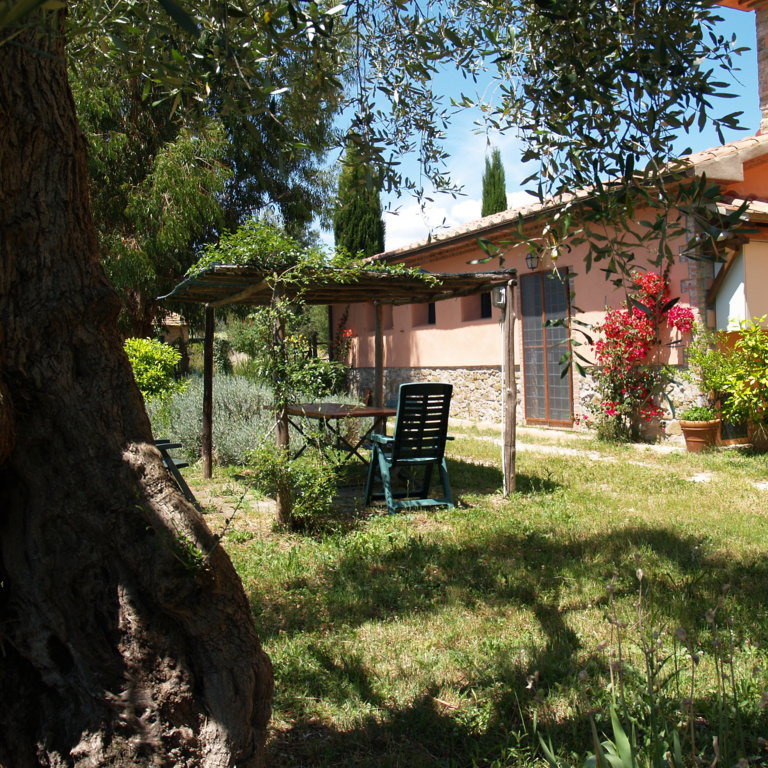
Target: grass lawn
{"x": 459, "y": 637}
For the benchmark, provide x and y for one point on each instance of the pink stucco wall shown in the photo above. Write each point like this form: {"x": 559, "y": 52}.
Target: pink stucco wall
{"x": 455, "y": 341}
{"x": 756, "y": 278}
{"x": 755, "y": 179}
{"x": 449, "y": 342}
{"x": 463, "y": 347}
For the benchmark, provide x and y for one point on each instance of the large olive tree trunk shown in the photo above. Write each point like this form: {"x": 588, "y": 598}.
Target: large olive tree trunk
{"x": 125, "y": 635}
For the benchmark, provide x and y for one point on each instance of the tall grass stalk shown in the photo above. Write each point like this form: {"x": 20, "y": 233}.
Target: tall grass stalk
{"x": 653, "y": 738}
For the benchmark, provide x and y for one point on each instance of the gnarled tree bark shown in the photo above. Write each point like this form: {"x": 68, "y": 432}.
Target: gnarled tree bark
{"x": 125, "y": 635}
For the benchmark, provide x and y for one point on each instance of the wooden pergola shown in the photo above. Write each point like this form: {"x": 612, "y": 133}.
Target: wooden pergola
{"x": 225, "y": 285}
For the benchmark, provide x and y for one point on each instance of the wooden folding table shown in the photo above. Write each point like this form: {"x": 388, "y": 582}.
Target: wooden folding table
{"x": 329, "y": 415}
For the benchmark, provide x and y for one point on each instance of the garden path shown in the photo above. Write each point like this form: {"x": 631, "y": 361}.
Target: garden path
{"x": 561, "y": 436}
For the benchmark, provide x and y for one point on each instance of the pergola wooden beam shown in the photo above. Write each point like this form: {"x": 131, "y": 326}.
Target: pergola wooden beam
{"x": 378, "y": 358}
{"x": 224, "y": 285}
{"x": 207, "y": 436}
{"x": 241, "y": 297}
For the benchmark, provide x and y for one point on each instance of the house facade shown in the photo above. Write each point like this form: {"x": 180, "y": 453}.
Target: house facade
{"x": 459, "y": 340}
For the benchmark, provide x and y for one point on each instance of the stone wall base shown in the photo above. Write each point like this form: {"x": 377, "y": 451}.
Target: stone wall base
{"x": 476, "y": 390}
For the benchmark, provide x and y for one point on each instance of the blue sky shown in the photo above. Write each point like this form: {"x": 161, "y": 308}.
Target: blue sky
{"x": 467, "y": 149}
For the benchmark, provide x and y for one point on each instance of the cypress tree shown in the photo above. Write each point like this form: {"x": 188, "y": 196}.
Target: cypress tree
{"x": 357, "y": 223}
{"x": 494, "y": 185}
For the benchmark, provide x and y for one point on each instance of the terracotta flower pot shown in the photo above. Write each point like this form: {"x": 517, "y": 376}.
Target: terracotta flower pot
{"x": 700, "y": 435}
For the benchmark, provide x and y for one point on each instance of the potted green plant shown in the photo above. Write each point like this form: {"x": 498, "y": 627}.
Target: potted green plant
{"x": 735, "y": 375}
{"x": 701, "y": 427}
{"x": 707, "y": 366}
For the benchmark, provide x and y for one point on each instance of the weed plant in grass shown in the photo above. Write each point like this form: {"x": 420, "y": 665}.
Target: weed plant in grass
{"x": 458, "y": 638}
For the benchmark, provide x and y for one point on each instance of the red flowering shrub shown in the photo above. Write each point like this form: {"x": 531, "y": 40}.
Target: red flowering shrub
{"x": 629, "y": 390}
{"x": 652, "y": 289}
{"x": 680, "y": 318}
{"x": 628, "y": 338}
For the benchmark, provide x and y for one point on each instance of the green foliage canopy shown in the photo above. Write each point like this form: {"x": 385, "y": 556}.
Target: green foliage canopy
{"x": 154, "y": 367}
{"x": 155, "y": 189}
{"x": 597, "y": 91}
{"x": 170, "y": 170}
{"x": 257, "y": 243}
{"x": 735, "y": 373}
{"x": 744, "y": 385}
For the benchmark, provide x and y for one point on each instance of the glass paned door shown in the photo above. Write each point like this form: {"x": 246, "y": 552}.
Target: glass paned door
{"x": 548, "y": 395}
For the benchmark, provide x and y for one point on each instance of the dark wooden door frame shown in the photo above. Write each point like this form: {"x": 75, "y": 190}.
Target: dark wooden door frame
{"x": 530, "y": 419}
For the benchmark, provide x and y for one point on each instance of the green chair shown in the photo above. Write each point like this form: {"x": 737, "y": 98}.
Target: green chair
{"x": 415, "y": 448}
{"x": 173, "y": 466}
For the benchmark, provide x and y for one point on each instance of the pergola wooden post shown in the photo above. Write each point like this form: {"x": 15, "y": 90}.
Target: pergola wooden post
{"x": 282, "y": 433}
{"x": 207, "y": 436}
{"x": 378, "y": 359}
{"x": 509, "y": 390}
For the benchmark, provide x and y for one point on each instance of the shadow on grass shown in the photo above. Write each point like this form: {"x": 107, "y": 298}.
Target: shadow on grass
{"x": 406, "y": 572}
{"x": 527, "y": 569}
{"x": 349, "y": 510}
{"x": 499, "y": 569}
{"x": 430, "y": 734}
{"x": 471, "y": 478}
{"x": 502, "y": 732}
{"x": 425, "y": 734}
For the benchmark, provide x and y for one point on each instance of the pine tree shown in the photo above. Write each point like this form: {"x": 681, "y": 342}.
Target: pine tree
{"x": 494, "y": 186}
{"x": 357, "y": 223}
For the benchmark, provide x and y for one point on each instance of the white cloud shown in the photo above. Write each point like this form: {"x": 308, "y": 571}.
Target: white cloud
{"x": 468, "y": 151}
{"x": 412, "y": 223}
{"x": 466, "y": 209}
{"x": 519, "y": 199}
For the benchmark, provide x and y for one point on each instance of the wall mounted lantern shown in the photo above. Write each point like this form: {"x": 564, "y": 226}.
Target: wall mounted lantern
{"x": 532, "y": 259}
{"x": 499, "y": 296}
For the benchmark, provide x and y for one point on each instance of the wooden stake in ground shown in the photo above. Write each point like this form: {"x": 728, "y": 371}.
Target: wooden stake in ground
{"x": 207, "y": 436}
{"x": 509, "y": 391}
{"x": 378, "y": 354}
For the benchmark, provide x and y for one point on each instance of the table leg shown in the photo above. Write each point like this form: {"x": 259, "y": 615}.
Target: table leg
{"x": 298, "y": 428}
{"x": 353, "y": 450}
